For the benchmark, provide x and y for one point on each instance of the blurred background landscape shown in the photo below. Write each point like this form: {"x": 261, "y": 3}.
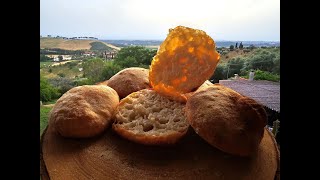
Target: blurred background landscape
{"x": 87, "y": 42}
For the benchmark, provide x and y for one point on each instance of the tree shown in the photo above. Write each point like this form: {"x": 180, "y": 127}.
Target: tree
{"x": 60, "y": 58}
{"x": 62, "y": 84}
{"x": 110, "y": 69}
{"x": 240, "y": 45}
{"x": 44, "y": 58}
{"x": 234, "y": 66}
{"x": 93, "y": 68}
{"x": 231, "y": 47}
{"x": 219, "y": 73}
{"x": 262, "y": 60}
{"x": 47, "y": 91}
{"x": 134, "y": 56}
{"x": 276, "y": 64}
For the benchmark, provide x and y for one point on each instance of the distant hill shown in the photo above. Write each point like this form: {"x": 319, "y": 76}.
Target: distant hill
{"x": 73, "y": 44}
{"x": 154, "y": 43}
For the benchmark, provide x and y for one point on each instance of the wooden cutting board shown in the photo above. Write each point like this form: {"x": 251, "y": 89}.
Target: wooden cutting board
{"x": 109, "y": 156}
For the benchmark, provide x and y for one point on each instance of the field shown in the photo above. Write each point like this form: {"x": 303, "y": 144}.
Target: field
{"x": 67, "y": 70}
{"x": 44, "y": 113}
{"x": 43, "y": 64}
{"x": 70, "y": 44}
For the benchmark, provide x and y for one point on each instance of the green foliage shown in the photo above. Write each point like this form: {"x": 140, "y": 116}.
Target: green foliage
{"x": 262, "y": 60}
{"x": 97, "y": 70}
{"x": 60, "y": 58}
{"x": 93, "y": 69}
{"x": 241, "y": 46}
{"x": 72, "y": 64}
{"x": 47, "y": 91}
{"x": 235, "y": 65}
{"x": 276, "y": 64}
{"x": 83, "y": 81}
{"x": 219, "y": 73}
{"x": 58, "y": 51}
{"x": 44, "y": 58}
{"x": 50, "y": 70}
{"x": 44, "y": 115}
{"x": 61, "y": 75}
{"x": 99, "y": 46}
{"x": 263, "y": 75}
{"x": 134, "y": 56}
{"x": 231, "y": 47}
{"x": 62, "y": 84}
{"x": 110, "y": 69}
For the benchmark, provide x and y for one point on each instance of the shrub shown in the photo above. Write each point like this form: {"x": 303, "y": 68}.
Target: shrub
{"x": 62, "y": 84}
{"x": 134, "y": 56}
{"x": 110, "y": 69}
{"x": 47, "y": 91}
{"x": 235, "y": 65}
{"x": 263, "y": 75}
{"x": 82, "y": 81}
{"x": 219, "y": 73}
{"x": 61, "y": 75}
{"x": 93, "y": 69}
{"x": 262, "y": 60}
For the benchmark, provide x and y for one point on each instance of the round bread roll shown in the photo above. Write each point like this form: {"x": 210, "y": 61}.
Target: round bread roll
{"x": 129, "y": 80}
{"x": 184, "y": 61}
{"x": 84, "y": 111}
{"x": 227, "y": 120}
{"x": 146, "y": 117}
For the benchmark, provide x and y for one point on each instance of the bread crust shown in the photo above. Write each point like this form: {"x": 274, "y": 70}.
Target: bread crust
{"x": 129, "y": 80}
{"x": 147, "y": 109}
{"x": 84, "y": 111}
{"x": 226, "y": 119}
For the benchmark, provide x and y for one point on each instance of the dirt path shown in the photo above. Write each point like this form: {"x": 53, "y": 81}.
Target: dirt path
{"x": 48, "y": 105}
{"x": 63, "y": 62}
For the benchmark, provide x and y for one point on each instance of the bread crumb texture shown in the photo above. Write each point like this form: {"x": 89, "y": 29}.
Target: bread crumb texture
{"x": 148, "y": 118}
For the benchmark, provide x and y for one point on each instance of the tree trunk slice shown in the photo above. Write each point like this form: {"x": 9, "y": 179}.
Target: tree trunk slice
{"x": 109, "y": 156}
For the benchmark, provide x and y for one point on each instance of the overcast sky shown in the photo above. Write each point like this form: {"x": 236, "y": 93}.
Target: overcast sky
{"x": 251, "y": 20}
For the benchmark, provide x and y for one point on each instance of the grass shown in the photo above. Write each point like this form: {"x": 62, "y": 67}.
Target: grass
{"x": 44, "y": 114}
{"x": 50, "y": 102}
{"x": 43, "y": 64}
{"x": 66, "y": 69}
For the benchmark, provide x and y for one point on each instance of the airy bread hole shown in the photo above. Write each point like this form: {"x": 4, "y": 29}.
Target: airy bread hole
{"x": 162, "y": 120}
{"x": 147, "y": 127}
{"x": 132, "y": 116}
{"x": 176, "y": 119}
{"x": 156, "y": 109}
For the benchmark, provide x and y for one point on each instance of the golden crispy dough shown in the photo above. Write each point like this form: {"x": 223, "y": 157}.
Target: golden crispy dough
{"x": 185, "y": 60}
{"x": 148, "y": 118}
{"x": 84, "y": 111}
{"x": 129, "y": 80}
{"x": 227, "y": 120}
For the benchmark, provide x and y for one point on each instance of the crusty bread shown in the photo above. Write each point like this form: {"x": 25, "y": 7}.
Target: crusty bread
{"x": 227, "y": 120}
{"x": 184, "y": 61}
{"x": 129, "y": 80}
{"x": 146, "y": 117}
{"x": 103, "y": 83}
{"x": 205, "y": 84}
{"x": 84, "y": 111}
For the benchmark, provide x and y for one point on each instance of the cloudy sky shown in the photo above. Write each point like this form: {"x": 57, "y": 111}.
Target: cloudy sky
{"x": 246, "y": 20}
